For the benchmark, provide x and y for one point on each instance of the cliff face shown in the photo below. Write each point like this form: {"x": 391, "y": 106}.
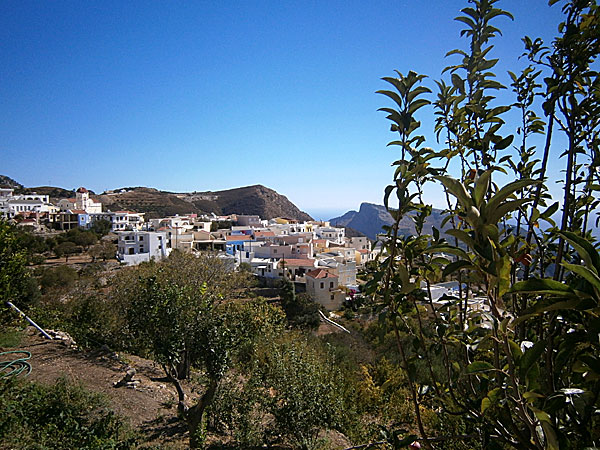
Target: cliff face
{"x": 370, "y": 219}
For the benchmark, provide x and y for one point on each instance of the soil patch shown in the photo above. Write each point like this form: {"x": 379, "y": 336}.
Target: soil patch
{"x": 150, "y": 406}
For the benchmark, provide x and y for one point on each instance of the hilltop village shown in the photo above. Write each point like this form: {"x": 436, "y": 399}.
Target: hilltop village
{"x": 319, "y": 258}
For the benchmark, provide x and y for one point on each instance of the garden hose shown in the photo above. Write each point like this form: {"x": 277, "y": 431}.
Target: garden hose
{"x": 14, "y": 367}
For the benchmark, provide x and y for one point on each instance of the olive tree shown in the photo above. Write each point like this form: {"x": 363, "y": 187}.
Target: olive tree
{"x": 176, "y": 312}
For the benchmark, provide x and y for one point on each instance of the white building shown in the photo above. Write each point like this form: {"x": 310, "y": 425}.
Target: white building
{"x": 12, "y": 205}
{"x": 336, "y": 235}
{"x": 135, "y": 247}
{"x": 360, "y": 243}
{"x": 126, "y": 220}
{"x": 82, "y": 201}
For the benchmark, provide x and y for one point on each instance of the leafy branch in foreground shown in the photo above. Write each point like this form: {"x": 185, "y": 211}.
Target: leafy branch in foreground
{"x": 515, "y": 356}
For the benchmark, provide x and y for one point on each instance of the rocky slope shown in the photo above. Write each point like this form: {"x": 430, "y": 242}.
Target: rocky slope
{"x": 370, "y": 220}
{"x": 257, "y": 199}
{"x": 8, "y": 182}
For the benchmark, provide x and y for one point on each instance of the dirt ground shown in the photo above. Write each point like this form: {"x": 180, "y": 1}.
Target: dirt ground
{"x": 150, "y": 406}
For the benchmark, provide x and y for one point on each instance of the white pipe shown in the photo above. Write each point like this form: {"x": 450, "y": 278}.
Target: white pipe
{"x": 40, "y": 329}
{"x": 331, "y": 322}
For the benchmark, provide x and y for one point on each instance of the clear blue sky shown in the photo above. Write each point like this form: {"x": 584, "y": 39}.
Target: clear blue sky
{"x": 208, "y": 95}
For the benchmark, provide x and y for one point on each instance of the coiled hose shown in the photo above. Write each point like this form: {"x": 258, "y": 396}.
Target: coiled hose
{"x": 15, "y": 366}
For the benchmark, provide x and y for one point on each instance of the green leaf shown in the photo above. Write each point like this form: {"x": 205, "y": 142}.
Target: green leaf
{"x": 530, "y": 357}
{"x": 500, "y": 197}
{"x": 457, "y": 189}
{"x": 585, "y": 249}
{"x": 550, "y": 210}
{"x": 550, "y": 435}
{"x": 495, "y": 215}
{"x": 542, "y": 286}
{"x": 417, "y": 104}
{"x": 479, "y": 366}
{"x": 454, "y": 266}
{"x": 505, "y": 142}
{"x": 393, "y": 95}
{"x": 481, "y": 187}
{"x": 462, "y": 236}
{"x": 585, "y": 273}
{"x": 485, "y": 404}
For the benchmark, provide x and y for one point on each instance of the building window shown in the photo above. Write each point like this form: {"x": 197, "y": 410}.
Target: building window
{"x": 322, "y": 285}
{"x": 332, "y": 296}
{"x": 131, "y": 251}
{"x": 331, "y": 285}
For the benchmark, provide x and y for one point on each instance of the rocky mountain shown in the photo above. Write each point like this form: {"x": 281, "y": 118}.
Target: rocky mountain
{"x": 257, "y": 199}
{"x": 371, "y": 218}
{"x": 8, "y": 182}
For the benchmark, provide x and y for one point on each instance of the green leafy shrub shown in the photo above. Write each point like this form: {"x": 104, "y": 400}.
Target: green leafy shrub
{"x": 35, "y": 416}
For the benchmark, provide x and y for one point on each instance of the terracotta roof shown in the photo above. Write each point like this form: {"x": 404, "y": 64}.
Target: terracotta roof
{"x": 238, "y": 238}
{"x": 363, "y": 250}
{"x": 77, "y": 211}
{"x": 298, "y": 262}
{"x": 264, "y": 234}
{"x": 320, "y": 273}
{"x": 82, "y": 190}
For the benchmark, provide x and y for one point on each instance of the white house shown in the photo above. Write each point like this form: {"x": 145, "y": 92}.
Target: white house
{"x": 135, "y": 247}
{"x": 11, "y": 204}
{"x": 332, "y": 234}
{"x": 126, "y": 220}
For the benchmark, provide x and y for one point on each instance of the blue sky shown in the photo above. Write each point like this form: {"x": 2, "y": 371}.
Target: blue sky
{"x": 203, "y": 95}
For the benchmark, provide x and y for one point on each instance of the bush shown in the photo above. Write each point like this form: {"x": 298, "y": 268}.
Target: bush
{"x": 58, "y": 416}
{"x": 301, "y": 311}
{"x": 58, "y": 277}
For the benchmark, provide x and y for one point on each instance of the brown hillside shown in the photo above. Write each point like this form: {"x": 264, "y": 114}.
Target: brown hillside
{"x": 256, "y": 199}
{"x": 151, "y": 201}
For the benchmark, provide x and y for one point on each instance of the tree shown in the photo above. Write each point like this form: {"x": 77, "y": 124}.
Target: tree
{"x": 175, "y": 312}
{"x": 14, "y": 275}
{"x": 62, "y": 277}
{"x": 104, "y": 249}
{"x": 523, "y": 372}
{"x": 305, "y": 389}
{"x": 82, "y": 238}
{"x": 101, "y": 227}
{"x": 65, "y": 249}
